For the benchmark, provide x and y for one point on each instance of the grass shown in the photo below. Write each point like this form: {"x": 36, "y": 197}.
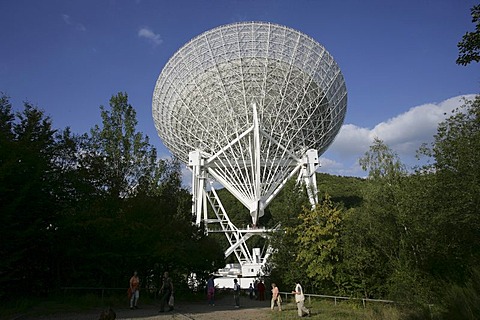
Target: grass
{"x": 328, "y": 310}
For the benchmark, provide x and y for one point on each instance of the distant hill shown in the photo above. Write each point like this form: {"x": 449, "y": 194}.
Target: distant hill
{"x": 342, "y": 190}
{"x": 345, "y": 190}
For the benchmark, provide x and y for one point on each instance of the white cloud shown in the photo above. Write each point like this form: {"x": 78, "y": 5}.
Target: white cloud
{"x": 186, "y": 177}
{"x": 404, "y": 134}
{"x": 66, "y": 18}
{"x": 352, "y": 140}
{"x": 338, "y": 168}
{"x": 148, "y": 34}
{"x": 69, "y": 21}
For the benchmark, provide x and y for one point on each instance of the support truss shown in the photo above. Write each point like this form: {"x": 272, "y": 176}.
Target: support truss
{"x": 206, "y": 171}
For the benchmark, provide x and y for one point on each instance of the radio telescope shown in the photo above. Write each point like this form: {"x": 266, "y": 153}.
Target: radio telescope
{"x": 248, "y": 105}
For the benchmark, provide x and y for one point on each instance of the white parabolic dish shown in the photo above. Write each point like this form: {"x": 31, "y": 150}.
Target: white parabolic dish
{"x": 212, "y": 91}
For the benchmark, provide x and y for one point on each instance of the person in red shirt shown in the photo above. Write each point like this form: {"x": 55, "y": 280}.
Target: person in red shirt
{"x": 261, "y": 290}
{"x": 134, "y": 290}
{"x": 211, "y": 290}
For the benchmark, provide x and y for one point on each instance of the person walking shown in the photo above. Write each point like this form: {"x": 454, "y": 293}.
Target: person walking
{"x": 236, "y": 293}
{"x": 250, "y": 291}
{"x": 276, "y": 297}
{"x": 211, "y": 290}
{"x": 300, "y": 299}
{"x": 261, "y": 290}
{"x": 134, "y": 290}
{"x": 166, "y": 291}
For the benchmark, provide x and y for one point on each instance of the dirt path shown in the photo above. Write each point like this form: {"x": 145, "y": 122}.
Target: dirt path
{"x": 223, "y": 310}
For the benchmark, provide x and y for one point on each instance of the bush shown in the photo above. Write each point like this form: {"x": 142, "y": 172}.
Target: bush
{"x": 463, "y": 302}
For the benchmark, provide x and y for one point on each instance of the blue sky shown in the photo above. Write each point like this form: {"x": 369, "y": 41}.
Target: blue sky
{"x": 397, "y": 57}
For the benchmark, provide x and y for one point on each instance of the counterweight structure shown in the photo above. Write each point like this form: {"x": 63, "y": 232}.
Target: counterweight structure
{"x": 248, "y": 105}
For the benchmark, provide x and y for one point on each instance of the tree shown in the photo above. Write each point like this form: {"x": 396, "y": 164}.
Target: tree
{"x": 88, "y": 210}
{"x": 341, "y": 189}
{"x": 124, "y": 155}
{"x": 455, "y": 187}
{"x": 450, "y": 251}
{"x": 363, "y": 267}
{"x": 130, "y": 202}
{"x": 6, "y": 122}
{"x": 288, "y": 204}
{"x": 317, "y": 240}
{"x": 284, "y": 210}
{"x": 27, "y": 199}
{"x": 469, "y": 46}
{"x": 123, "y": 197}
{"x": 382, "y": 195}
{"x": 381, "y": 162}
{"x": 387, "y": 224}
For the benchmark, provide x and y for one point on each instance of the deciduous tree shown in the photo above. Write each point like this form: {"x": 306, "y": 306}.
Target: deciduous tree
{"x": 317, "y": 240}
{"x": 469, "y": 46}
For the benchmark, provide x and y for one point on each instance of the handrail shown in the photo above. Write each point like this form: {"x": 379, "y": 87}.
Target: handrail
{"x": 286, "y": 294}
{"x": 364, "y": 300}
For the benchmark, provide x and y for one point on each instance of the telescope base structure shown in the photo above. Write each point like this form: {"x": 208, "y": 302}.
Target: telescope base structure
{"x": 204, "y": 195}
{"x": 237, "y": 237}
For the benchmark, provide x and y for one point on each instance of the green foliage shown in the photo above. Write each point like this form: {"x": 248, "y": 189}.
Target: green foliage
{"x": 455, "y": 192}
{"x": 342, "y": 190}
{"x": 284, "y": 209}
{"x": 456, "y": 142}
{"x": 381, "y": 162}
{"x": 383, "y": 226}
{"x": 410, "y": 237}
{"x": 139, "y": 211}
{"x": 317, "y": 238}
{"x": 288, "y": 204}
{"x": 462, "y": 302}
{"x": 88, "y": 210}
{"x": 469, "y": 46}
{"x": 363, "y": 270}
{"x": 326, "y": 309}
{"x": 124, "y": 156}
{"x": 27, "y": 203}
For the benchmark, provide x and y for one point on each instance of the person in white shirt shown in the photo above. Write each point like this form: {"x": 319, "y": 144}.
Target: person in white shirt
{"x": 300, "y": 299}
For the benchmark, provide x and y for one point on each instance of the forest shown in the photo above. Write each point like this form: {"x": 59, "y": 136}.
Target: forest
{"x": 87, "y": 210}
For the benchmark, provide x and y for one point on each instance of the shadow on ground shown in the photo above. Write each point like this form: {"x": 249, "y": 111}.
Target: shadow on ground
{"x": 224, "y": 309}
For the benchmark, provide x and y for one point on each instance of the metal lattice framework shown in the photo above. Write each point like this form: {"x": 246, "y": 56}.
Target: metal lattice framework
{"x": 244, "y": 103}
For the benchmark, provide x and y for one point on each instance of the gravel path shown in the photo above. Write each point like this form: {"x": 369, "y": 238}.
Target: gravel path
{"x": 223, "y": 310}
